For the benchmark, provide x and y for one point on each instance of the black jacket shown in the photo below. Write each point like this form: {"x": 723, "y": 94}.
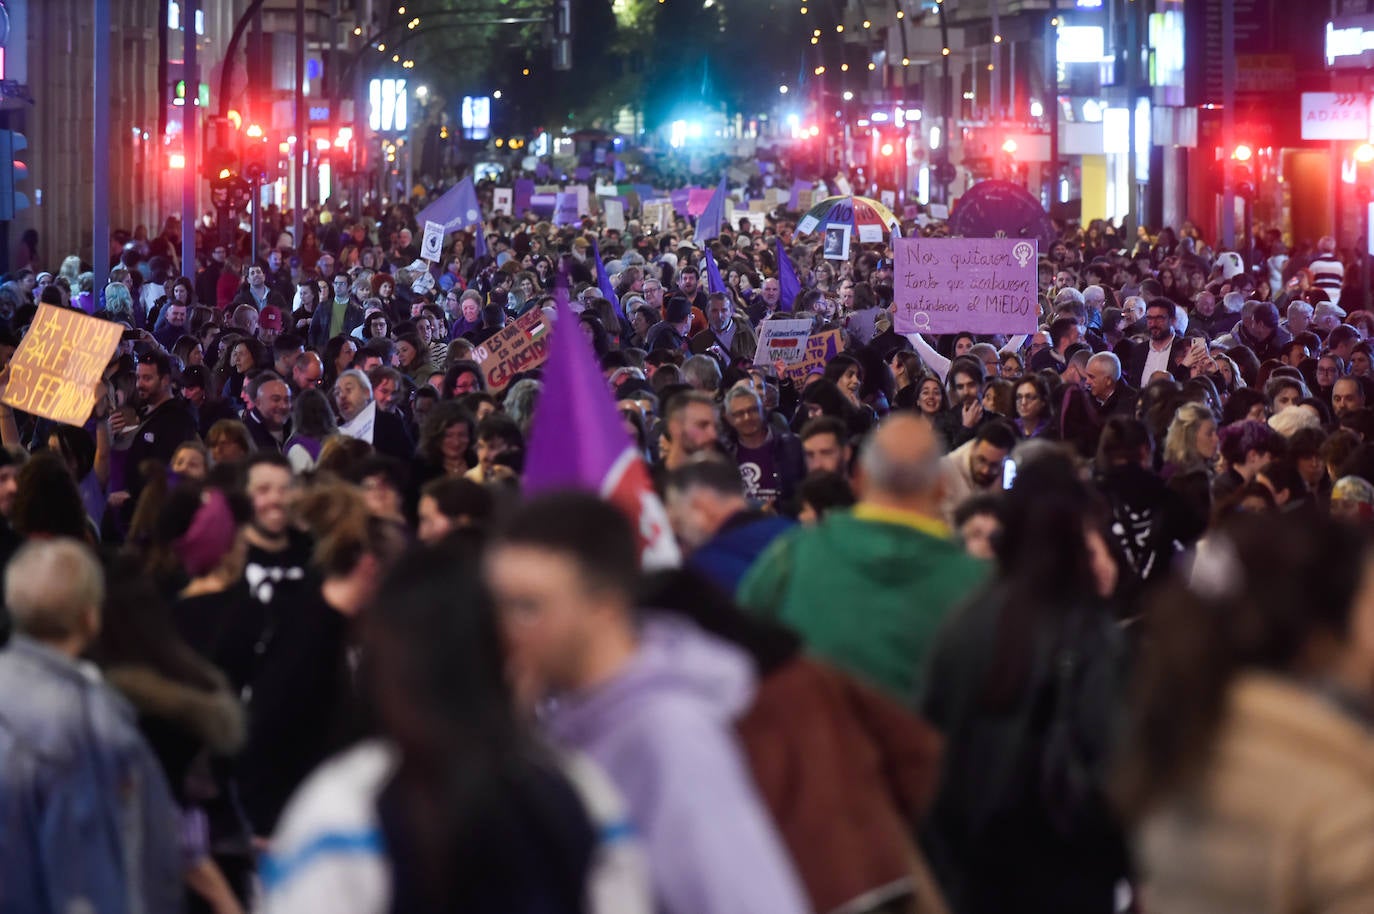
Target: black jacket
{"x": 162, "y": 431}
{"x": 1081, "y": 417}
{"x": 1133, "y": 355}
{"x": 262, "y": 438}
{"x": 390, "y": 437}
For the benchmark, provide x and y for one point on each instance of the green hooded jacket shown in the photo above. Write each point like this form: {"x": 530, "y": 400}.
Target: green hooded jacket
{"x": 866, "y": 589}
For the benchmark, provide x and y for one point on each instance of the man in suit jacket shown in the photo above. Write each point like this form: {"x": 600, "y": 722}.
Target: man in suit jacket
{"x": 1160, "y": 352}
{"x": 361, "y": 418}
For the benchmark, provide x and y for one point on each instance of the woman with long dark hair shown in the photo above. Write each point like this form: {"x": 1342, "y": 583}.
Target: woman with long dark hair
{"x": 1247, "y": 765}
{"x": 459, "y": 807}
{"x": 1020, "y": 822}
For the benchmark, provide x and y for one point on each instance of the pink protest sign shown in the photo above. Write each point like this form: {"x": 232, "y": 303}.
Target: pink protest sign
{"x": 697, "y": 199}
{"x": 982, "y": 285}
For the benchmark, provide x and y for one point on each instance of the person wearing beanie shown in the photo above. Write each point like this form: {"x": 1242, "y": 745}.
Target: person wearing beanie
{"x": 1352, "y": 499}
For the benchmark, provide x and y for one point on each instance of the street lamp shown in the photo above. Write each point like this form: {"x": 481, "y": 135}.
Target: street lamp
{"x": 782, "y": 90}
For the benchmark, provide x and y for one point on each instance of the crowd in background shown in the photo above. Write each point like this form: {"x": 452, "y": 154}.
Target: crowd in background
{"x": 1079, "y": 619}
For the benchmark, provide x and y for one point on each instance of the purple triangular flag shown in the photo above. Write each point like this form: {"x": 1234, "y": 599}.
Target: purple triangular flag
{"x": 708, "y": 226}
{"x": 578, "y": 441}
{"x": 787, "y": 278}
{"x": 713, "y": 281}
{"x": 603, "y": 281}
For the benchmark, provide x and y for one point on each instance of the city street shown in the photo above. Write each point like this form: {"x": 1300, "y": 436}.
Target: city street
{"x": 686, "y": 456}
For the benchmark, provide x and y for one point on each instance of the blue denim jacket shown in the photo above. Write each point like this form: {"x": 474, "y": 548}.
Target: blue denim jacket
{"x": 87, "y": 822}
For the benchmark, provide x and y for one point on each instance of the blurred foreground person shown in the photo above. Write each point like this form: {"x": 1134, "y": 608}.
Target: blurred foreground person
{"x": 652, "y": 699}
{"x": 1250, "y": 770}
{"x": 846, "y": 771}
{"x": 86, "y": 820}
{"x": 458, "y": 807}
{"x": 1022, "y": 682}
{"x": 893, "y": 548}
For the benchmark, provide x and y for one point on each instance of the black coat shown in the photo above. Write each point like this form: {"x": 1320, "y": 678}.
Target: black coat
{"x": 1081, "y": 418}
{"x": 390, "y": 438}
{"x": 1133, "y": 355}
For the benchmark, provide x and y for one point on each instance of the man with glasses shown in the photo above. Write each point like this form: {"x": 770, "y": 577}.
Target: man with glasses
{"x": 1161, "y": 352}
{"x": 339, "y": 316}
{"x": 653, "y": 294}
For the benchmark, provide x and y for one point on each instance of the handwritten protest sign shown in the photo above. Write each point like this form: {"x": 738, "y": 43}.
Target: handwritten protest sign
{"x": 982, "y": 285}
{"x": 782, "y": 339}
{"x": 615, "y": 213}
{"x": 521, "y": 345}
{"x": 820, "y": 348}
{"x": 55, "y": 369}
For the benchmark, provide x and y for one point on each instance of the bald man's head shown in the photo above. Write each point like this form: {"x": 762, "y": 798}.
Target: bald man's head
{"x": 900, "y": 464}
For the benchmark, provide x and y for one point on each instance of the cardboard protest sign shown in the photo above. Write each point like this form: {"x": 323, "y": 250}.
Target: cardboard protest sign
{"x": 432, "y": 244}
{"x": 820, "y": 348}
{"x": 783, "y": 339}
{"x": 888, "y": 198}
{"x": 660, "y": 214}
{"x": 615, "y": 213}
{"x": 55, "y": 369}
{"x": 502, "y": 201}
{"x": 982, "y": 285}
{"x": 521, "y": 345}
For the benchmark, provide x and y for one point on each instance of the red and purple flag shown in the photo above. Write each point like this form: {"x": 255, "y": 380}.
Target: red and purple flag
{"x": 787, "y": 278}
{"x": 578, "y": 441}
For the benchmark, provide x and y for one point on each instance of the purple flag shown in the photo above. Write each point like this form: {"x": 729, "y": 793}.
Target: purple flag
{"x": 524, "y": 190}
{"x": 458, "y": 208}
{"x": 713, "y": 281}
{"x": 578, "y": 441}
{"x": 603, "y": 281}
{"x": 565, "y": 208}
{"x": 708, "y": 226}
{"x": 679, "y": 197}
{"x": 787, "y": 278}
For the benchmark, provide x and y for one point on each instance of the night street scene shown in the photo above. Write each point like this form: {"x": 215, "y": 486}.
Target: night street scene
{"x": 686, "y": 457}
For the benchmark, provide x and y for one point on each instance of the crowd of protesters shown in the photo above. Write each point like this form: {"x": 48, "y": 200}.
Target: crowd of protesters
{"x": 1078, "y": 620}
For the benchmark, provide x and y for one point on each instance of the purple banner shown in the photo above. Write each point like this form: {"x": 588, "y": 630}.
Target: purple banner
{"x": 565, "y": 209}
{"x": 542, "y": 205}
{"x": 679, "y": 198}
{"x": 524, "y": 190}
{"x": 982, "y": 285}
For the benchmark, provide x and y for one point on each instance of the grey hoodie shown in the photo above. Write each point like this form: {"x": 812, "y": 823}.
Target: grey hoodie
{"x": 663, "y": 731}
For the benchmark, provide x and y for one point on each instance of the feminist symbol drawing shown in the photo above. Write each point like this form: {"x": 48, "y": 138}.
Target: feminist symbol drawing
{"x": 1023, "y": 252}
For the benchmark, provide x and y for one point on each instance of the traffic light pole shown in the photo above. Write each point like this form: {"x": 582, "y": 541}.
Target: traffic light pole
{"x": 1228, "y": 122}
{"x": 100, "y": 217}
{"x": 302, "y": 141}
{"x": 190, "y": 145}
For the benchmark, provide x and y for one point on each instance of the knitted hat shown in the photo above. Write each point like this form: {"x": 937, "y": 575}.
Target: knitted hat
{"x": 1356, "y": 490}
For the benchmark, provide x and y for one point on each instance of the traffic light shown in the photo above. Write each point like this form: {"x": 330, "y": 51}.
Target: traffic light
{"x": 1242, "y": 172}
{"x": 562, "y": 35}
{"x": 12, "y": 172}
{"x": 1364, "y": 173}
